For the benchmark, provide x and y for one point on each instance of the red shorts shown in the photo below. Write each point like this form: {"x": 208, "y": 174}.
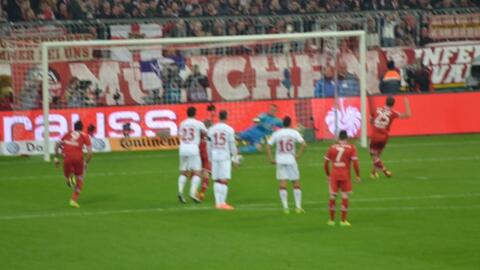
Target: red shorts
{"x": 73, "y": 166}
{"x": 344, "y": 185}
{"x": 376, "y": 147}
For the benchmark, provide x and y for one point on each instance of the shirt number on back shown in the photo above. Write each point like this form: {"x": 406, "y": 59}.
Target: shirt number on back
{"x": 382, "y": 120}
{"x": 340, "y": 151}
{"x": 219, "y": 139}
{"x": 187, "y": 134}
{"x": 286, "y": 146}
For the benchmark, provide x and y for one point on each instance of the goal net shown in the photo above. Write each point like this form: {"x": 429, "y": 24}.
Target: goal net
{"x": 142, "y": 87}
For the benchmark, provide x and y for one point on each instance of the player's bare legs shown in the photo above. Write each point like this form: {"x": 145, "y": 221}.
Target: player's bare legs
{"x": 182, "y": 180}
{"x": 76, "y": 191}
{"x": 284, "y": 195}
{"x": 297, "y": 194}
{"x": 344, "y": 221}
{"x": 196, "y": 180}
{"x": 221, "y": 191}
{"x": 70, "y": 181}
{"x": 378, "y": 164}
{"x": 331, "y": 208}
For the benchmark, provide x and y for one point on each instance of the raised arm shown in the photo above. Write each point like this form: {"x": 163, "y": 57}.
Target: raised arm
{"x": 408, "y": 111}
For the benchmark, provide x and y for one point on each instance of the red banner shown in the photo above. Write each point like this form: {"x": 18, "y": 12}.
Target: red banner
{"x": 432, "y": 114}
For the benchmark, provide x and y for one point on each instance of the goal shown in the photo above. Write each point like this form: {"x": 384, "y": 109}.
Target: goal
{"x": 317, "y": 78}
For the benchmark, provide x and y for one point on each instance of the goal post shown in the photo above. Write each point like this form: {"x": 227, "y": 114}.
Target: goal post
{"x": 212, "y": 43}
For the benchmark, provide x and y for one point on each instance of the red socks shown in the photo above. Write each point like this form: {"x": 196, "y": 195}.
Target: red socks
{"x": 204, "y": 185}
{"x": 344, "y": 209}
{"x": 379, "y": 164}
{"x": 331, "y": 208}
{"x": 78, "y": 189}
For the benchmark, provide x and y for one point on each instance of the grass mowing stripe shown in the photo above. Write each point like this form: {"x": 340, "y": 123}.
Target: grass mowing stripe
{"x": 263, "y": 206}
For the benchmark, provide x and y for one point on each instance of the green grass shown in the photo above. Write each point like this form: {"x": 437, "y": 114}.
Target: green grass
{"x": 426, "y": 217}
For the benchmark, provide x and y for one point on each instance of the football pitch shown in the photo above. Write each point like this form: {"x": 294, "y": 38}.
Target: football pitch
{"x": 426, "y": 217}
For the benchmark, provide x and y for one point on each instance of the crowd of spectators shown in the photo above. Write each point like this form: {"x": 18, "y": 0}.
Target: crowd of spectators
{"x": 30, "y": 10}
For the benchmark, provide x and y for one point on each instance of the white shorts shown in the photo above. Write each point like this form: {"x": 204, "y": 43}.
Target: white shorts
{"x": 288, "y": 172}
{"x": 190, "y": 163}
{"x": 222, "y": 169}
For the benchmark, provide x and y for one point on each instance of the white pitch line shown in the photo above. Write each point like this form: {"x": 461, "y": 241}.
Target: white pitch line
{"x": 267, "y": 166}
{"x": 258, "y": 207}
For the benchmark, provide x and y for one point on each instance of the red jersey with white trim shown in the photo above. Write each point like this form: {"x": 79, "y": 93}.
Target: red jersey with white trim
{"x": 73, "y": 143}
{"x": 341, "y": 156}
{"x": 382, "y": 119}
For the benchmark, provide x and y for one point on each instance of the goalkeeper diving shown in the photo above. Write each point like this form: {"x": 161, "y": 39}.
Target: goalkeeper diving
{"x": 265, "y": 125}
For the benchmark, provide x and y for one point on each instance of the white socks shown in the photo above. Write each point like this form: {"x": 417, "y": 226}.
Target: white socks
{"x": 297, "y": 194}
{"x": 220, "y": 192}
{"x": 284, "y": 198}
{"x": 182, "y": 180}
{"x": 196, "y": 180}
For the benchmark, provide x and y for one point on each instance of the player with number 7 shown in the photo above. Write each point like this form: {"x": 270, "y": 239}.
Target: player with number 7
{"x": 341, "y": 154}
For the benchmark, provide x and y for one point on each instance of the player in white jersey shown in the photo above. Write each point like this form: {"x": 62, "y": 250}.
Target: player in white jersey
{"x": 190, "y": 132}
{"x": 221, "y": 149}
{"x": 285, "y": 140}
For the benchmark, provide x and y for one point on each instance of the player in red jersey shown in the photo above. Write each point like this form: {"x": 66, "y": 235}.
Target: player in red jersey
{"x": 73, "y": 162}
{"x": 206, "y": 165}
{"x": 382, "y": 119}
{"x": 341, "y": 155}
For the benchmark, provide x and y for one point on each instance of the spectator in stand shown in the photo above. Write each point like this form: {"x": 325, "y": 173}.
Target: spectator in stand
{"x": 391, "y": 80}
{"x": 388, "y": 31}
{"x": 466, "y": 4}
{"x": 196, "y": 85}
{"x": 348, "y": 84}
{"x": 424, "y": 36}
{"x": 46, "y": 12}
{"x": 446, "y": 4}
{"x": 423, "y": 82}
{"x": 173, "y": 84}
{"x": 325, "y": 87}
{"x": 62, "y": 13}
{"x": 73, "y": 95}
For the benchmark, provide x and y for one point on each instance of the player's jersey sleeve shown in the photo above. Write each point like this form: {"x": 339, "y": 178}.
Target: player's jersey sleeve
{"x": 202, "y": 127}
{"x": 394, "y": 115}
{"x": 298, "y": 137}
{"x": 65, "y": 137}
{"x": 86, "y": 140}
{"x": 233, "y": 146}
{"x": 354, "y": 153}
{"x": 329, "y": 155}
{"x": 273, "y": 139}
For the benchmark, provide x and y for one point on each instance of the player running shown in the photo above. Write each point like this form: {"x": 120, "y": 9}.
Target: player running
{"x": 381, "y": 121}
{"x": 191, "y": 131}
{"x": 284, "y": 140}
{"x": 222, "y": 150}
{"x": 265, "y": 124}
{"x": 341, "y": 155}
{"x": 74, "y": 164}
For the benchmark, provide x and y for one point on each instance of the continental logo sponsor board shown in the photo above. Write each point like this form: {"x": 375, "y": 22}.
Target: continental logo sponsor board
{"x": 144, "y": 143}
